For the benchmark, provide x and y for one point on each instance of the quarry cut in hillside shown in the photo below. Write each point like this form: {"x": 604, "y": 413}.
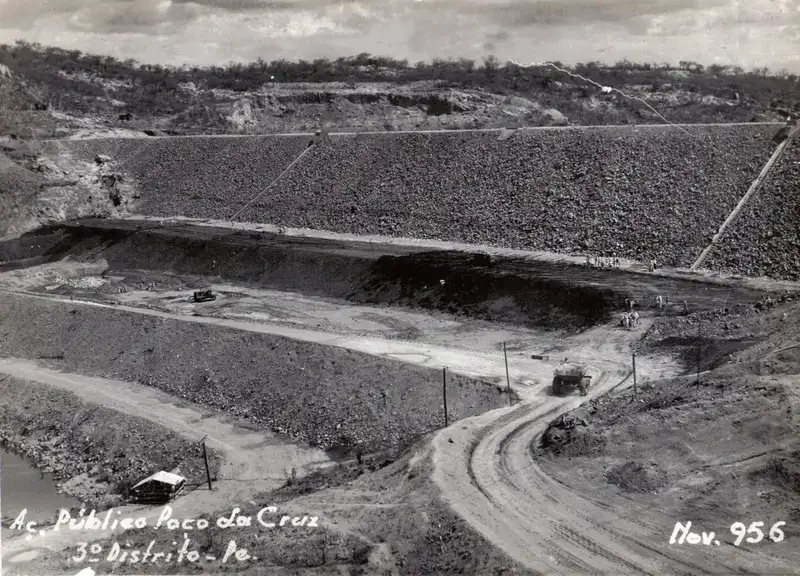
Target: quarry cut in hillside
{"x": 641, "y": 191}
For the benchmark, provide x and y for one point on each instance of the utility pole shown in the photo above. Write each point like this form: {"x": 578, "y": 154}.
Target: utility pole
{"x": 205, "y": 459}
{"x": 444, "y": 394}
{"x": 697, "y": 382}
{"x": 635, "y": 392}
{"x": 508, "y": 380}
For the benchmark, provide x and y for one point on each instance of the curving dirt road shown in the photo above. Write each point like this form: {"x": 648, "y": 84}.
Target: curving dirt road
{"x": 253, "y": 462}
{"x": 489, "y": 476}
{"x": 486, "y": 474}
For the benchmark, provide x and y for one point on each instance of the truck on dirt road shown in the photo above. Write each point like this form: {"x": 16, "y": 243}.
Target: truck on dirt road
{"x": 568, "y": 376}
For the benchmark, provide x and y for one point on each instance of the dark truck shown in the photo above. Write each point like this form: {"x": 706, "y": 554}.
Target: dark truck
{"x": 567, "y": 377}
{"x": 204, "y": 296}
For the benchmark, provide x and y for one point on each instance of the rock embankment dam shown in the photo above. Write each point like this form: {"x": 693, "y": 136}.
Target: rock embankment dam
{"x": 643, "y": 192}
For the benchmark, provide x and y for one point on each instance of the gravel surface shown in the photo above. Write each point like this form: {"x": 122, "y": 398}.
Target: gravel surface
{"x": 331, "y": 397}
{"x": 642, "y": 192}
{"x": 765, "y": 238}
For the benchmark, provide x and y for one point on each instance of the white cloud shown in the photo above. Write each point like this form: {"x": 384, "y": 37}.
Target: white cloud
{"x": 750, "y": 34}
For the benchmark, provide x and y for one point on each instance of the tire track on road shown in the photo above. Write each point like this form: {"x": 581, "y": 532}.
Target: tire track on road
{"x": 546, "y": 525}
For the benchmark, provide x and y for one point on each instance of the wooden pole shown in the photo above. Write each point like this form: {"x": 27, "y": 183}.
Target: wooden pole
{"x": 444, "y": 395}
{"x": 698, "y": 352}
{"x": 635, "y": 392}
{"x": 508, "y": 380}
{"x": 205, "y": 458}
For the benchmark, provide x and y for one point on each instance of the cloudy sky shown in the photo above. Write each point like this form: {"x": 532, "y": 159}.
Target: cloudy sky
{"x": 749, "y": 33}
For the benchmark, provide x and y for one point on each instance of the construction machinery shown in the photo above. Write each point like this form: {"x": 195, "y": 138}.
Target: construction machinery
{"x": 568, "y": 376}
{"x": 204, "y": 296}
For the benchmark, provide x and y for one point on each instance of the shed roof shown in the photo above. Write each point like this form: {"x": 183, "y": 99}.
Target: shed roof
{"x": 163, "y": 477}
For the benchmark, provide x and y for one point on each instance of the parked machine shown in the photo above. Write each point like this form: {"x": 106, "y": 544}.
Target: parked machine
{"x": 204, "y": 296}
{"x": 568, "y": 376}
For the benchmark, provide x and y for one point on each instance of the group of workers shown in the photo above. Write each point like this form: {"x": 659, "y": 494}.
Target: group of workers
{"x": 613, "y": 262}
{"x": 630, "y": 318}
{"x": 603, "y": 261}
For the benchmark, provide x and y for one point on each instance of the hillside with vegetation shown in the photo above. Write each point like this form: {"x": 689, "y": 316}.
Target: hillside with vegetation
{"x": 66, "y": 93}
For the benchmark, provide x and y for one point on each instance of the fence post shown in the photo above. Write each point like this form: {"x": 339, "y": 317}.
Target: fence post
{"x": 444, "y": 394}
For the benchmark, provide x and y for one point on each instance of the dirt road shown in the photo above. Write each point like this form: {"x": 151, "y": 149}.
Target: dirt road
{"x": 434, "y": 131}
{"x": 487, "y": 474}
{"x": 524, "y": 371}
{"x": 254, "y": 462}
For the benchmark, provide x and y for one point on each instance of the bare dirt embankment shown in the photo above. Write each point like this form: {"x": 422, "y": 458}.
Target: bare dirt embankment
{"x": 474, "y": 284}
{"x": 95, "y": 453}
{"x": 501, "y": 288}
{"x": 643, "y": 192}
{"x": 330, "y": 397}
{"x": 714, "y": 453}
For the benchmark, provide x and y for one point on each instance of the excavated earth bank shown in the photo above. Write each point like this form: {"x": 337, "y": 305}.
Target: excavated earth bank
{"x": 643, "y": 192}
{"x": 712, "y": 451}
{"x": 330, "y": 397}
{"x": 499, "y": 288}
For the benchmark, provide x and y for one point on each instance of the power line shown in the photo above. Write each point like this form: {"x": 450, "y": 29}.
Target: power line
{"x": 603, "y": 88}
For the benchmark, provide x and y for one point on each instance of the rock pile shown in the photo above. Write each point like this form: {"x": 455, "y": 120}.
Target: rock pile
{"x": 764, "y": 240}
{"x": 642, "y": 192}
{"x": 638, "y": 477}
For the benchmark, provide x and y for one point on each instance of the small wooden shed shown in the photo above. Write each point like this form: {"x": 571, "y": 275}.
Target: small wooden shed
{"x": 158, "y": 488}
